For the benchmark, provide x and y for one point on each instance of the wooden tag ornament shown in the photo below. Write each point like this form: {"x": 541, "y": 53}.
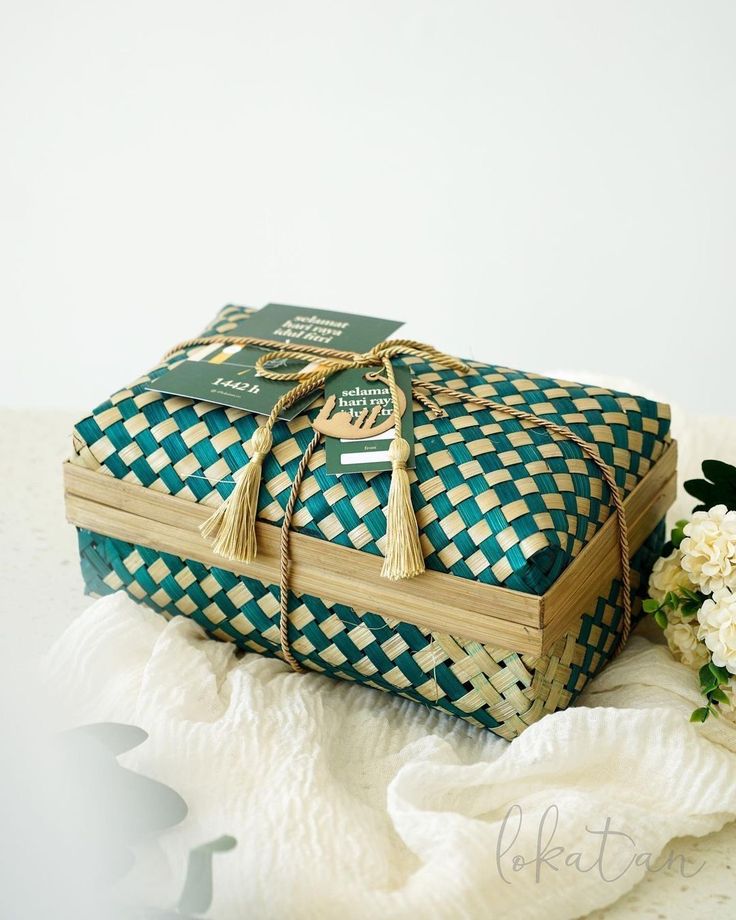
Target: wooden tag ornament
{"x": 346, "y": 426}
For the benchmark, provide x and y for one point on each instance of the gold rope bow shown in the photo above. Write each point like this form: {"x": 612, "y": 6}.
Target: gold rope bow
{"x": 232, "y": 527}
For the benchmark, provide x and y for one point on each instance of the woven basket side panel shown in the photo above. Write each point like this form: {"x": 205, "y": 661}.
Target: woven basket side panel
{"x": 495, "y": 688}
{"x": 497, "y": 501}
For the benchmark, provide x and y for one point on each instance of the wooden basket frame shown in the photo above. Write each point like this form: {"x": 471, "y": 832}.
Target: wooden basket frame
{"x": 441, "y": 602}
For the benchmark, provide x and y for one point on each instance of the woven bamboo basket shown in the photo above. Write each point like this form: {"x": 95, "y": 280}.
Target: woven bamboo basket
{"x": 521, "y": 603}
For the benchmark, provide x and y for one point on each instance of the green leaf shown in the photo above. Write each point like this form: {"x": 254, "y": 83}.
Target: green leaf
{"x": 718, "y": 696}
{"x": 720, "y": 490}
{"x": 678, "y": 533}
{"x": 718, "y": 471}
{"x": 694, "y": 596}
{"x": 700, "y": 715}
{"x": 699, "y": 488}
{"x": 708, "y": 680}
{"x": 650, "y": 605}
{"x": 660, "y": 619}
{"x": 723, "y": 675}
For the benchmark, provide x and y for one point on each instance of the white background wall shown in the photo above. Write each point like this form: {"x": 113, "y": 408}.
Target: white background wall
{"x": 545, "y": 185}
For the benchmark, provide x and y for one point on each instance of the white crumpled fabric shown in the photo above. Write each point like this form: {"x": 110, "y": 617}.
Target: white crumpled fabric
{"x": 347, "y": 802}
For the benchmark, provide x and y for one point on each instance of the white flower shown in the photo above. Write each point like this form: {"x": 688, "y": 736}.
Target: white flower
{"x": 717, "y": 618}
{"x": 681, "y": 634}
{"x": 668, "y": 575}
{"x": 683, "y": 642}
{"x": 709, "y": 549}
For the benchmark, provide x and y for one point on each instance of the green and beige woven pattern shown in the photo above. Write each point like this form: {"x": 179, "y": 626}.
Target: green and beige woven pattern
{"x": 496, "y": 501}
{"x": 491, "y": 687}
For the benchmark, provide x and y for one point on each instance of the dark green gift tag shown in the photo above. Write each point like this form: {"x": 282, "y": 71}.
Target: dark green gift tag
{"x": 357, "y": 421}
{"x": 310, "y": 326}
{"x": 225, "y": 374}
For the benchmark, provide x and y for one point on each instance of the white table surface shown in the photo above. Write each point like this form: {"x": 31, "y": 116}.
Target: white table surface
{"x": 43, "y": 592}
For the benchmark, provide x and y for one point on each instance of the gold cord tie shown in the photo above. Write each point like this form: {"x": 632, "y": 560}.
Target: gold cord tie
{"x": 232, "y": 526}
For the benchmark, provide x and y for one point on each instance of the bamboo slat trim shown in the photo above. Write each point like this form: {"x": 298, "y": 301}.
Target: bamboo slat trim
{"x": 439, "y": 614}
{"x": 438, "y": 601}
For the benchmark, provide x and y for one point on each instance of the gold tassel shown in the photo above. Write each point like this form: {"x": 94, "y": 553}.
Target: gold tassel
{"x": 403, "y": 556}
{"x": 232, "y": 528}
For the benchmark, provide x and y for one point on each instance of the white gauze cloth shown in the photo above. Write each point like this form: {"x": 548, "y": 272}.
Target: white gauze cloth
{"x": 348, "y": 802}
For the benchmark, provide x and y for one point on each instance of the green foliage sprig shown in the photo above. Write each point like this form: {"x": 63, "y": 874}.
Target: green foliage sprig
{"x": 685, "y": 601}
{"x": 712, "y": 678}
{"x": 718, "y": 487}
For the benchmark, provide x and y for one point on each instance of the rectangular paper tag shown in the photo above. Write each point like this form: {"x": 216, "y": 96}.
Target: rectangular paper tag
{"x": 310, "y": 326}
{"x": 357, "y": 396}
{"x": 225, "y": 374}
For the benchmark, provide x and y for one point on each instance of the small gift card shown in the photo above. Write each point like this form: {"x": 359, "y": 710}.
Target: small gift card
{"x": 226, "y": 375}
{"x": 326, "y": 328}
{"x": 357, "y": 420}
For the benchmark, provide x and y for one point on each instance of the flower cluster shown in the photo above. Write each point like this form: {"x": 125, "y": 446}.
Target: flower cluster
{"x": 709, "y": 549}
{"x": 692, "y": 596}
